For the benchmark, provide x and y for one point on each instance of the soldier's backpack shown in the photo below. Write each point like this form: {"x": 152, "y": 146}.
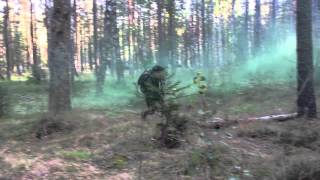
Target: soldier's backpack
{"x": 143, "y": 78}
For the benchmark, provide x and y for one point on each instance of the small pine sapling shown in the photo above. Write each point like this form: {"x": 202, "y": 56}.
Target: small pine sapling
{"x": 174, "y": 125}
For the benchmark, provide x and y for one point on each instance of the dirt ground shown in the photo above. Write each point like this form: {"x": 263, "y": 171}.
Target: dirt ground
{"x": 115, "y": 144}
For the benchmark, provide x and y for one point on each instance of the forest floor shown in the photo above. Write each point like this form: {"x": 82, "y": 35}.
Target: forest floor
{"x": 115, "y": 144}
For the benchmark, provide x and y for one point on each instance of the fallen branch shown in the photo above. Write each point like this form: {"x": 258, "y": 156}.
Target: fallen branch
{"x": 281, "y": 117}
{"x": 217, "y": 123}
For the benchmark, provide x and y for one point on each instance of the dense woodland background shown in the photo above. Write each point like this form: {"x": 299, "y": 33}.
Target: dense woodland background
{"x": 188, "y": 34}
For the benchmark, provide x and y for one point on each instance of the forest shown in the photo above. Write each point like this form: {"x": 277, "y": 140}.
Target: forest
{"x": 159, "y": 89}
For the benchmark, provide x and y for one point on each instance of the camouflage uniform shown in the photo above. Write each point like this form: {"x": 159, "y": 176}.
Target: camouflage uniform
{"x": 152, "y": 88}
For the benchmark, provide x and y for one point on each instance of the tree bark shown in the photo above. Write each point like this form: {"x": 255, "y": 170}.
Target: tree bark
{"x": 108, "y": 42}
{"x": 74, "y": 43}
{"x": 60, "y": 57}
{"x": 7, "y": 39}
{"x": 172, "y": 41}
{"x": 116, "y": 43}
{"x": 257, "y": 29}
{"x": 95, "y": 36}
{"x": 306, "y": 101}
{"x": 36, "y": 72}
{"x": 161, "y": 37}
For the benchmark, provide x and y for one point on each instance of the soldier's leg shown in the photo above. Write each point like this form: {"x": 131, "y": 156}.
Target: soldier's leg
{"x": 151, "y": 108}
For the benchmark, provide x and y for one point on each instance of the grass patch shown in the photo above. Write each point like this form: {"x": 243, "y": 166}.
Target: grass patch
{"x": 244, "y": 108}
{"x": 76, "y": 155}
{"x": 259, "y": 130}
{"x": 300, "y": 167}
{"x": 113, "y": 161}
{"x": 299, "y": 137}
{"x": 295, "y": 133}
{"x": 215, "y": 158}
{"x": 18, "y": 129}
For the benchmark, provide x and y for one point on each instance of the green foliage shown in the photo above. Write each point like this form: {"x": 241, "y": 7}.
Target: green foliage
{"x": 174, "y": 125}
{"x": 119, "y": 161}
{"x": 76, "y": 155}
{"x": 19, "y": 47}
{"x": 114, "y": 161}
{"x": 174, "y": 89}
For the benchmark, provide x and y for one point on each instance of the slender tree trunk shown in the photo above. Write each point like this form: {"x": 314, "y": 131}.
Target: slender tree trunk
{"x": 257, "y": 29}
{"x": 317, "y": 42}
{"x": 306, "y": 98}
{"x": 116, "y": 44}
{"x": 171, "y": 8}
{"x": 36, "y": 62}
{"x": 161, "y": 38}
{"x": 47, "y": 21}
{"x": 95, "y": 36}
{"x": 204, "y": 35}
{"x": 273, "y": 22}
{"x": 198, "y": 34}
{"x": 107, "y": 44}
{"x": 82, "y": 57}
{"x": 140, "y": 43}
{"x": 246, "y": 52}
{"x": 90, "y": 57}
{"x": 209, "y": 41}
{"x": 150, "y": 57}
{"x": 17, "y": 49}
{"x": 6, "y": 38}
{"x": 129, "y": 34}
{"x": 74, "y": 42}
{"x": 60, "y": 57}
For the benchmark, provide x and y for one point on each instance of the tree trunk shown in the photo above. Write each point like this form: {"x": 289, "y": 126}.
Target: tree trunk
{"x": 7, "y": 39}
{"x": 161, "y": 37}
{"x": 60, "y": 57}
{"x": 257, "y": 29}
{"x": 90, "y": 55}
{"x": 36, "y": 72}
{"x": 246, "y": 53}
{"x": 95, "y": 36}
{"x": 317, "y": 42}
{"x": 197, "y": 33}
{"x": 306, "y": 101}
{"x": 107, "y": 45}
{"x": 74, "y": 42}
{"x": 204, "y": 36}
{"x": 116, "y": 43}
{"x": 171, "y": 8}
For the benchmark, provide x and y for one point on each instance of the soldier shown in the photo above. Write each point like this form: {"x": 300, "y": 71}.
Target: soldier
{"x": 151, "y": 83}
